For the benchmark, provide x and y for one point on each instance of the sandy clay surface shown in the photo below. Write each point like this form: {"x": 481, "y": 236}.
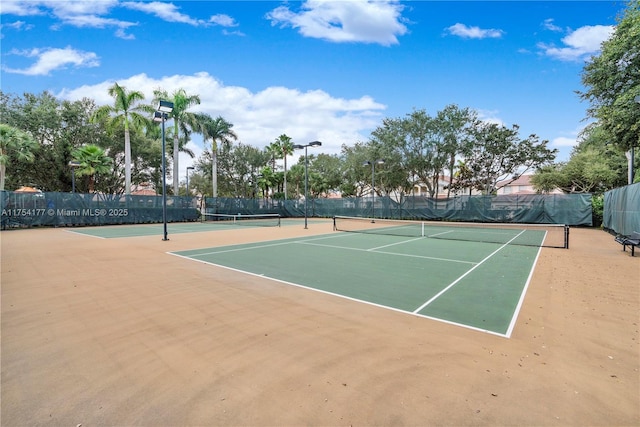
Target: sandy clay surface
{"x": 115, "y": 332}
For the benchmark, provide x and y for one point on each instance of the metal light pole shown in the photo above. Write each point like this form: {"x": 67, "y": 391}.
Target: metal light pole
{"x": 188, "y": 169}
{"x": 373, "y": 185}
{"x": 73, "y": 165}
{"x": 306, "y": 176}
{"x": 161, "y": 115}
{"x": 630, "y": 156}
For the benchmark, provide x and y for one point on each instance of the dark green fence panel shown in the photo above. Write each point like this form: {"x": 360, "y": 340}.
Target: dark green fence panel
{"x": 75, "y": 209}
{"x": 67, "y": 209}
{"x": 570, "y": 209}
{"x": 622, "y": 210}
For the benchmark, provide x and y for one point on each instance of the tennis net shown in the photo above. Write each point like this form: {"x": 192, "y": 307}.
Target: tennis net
{"x": 545, "y": 235}
{"x": 259, "y": 220}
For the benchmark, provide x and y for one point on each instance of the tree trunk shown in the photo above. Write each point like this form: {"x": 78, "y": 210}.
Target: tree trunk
{"x": 214, "y": 168}
{"x": 127, "y": 162}
{"x": 175, "y": 164}
{"x": 3, "y": 171}
{"x": 285, "y": 176}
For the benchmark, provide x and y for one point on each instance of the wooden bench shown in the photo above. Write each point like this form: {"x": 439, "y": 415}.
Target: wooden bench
{"x": 631, "y": 240}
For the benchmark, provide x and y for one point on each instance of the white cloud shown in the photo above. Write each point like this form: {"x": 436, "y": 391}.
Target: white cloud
{"x": 579, "y": 44}
{"x": 50, "y": 59}
{"x": 77, "y": 13}
{"x": 223, "y": 20}
{"x": 258, "y": 117}
{"x": 461, "y": 30}
{"x": 364, "y": 21}
{"x": 20, "y": 8}
{"x": 563, "y": 141}
{"x": 165, "y": 11}
{"x": 491, "y": 117}
{"x": 549, "y": 25}
{"x": 18, "y": 26}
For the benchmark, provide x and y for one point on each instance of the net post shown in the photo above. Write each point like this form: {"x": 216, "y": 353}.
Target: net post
{"x": 334, "y": 223}
{"x": 566, "y": 236}
{"x": 422, "y": 232}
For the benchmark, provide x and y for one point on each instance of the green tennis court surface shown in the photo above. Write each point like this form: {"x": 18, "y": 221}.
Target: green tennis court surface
{"x": 117, "y": 231}
{"x": 472, "y": 284}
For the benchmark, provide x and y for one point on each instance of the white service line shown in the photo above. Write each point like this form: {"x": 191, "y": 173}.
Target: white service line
{"x": 387, "y": 253}
{"x": 397, "y": 243}
{"x": 452, "y": 284}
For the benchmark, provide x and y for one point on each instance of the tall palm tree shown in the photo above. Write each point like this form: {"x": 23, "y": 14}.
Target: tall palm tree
{"x": 183, "y": 120}
{"x": 123, "y": 113}
{"x": 217, "y": 130}
{"x": 274, "y": 153}
{"x": 93, "y": 160}
{"x": 284, "y": 147}
{"x": 13, "y": 140}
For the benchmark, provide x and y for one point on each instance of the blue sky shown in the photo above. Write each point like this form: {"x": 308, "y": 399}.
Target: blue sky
{"x": 317, "y": 70}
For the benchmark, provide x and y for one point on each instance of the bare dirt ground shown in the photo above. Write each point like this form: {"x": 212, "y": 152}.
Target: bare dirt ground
{"x": 117, "y": 332}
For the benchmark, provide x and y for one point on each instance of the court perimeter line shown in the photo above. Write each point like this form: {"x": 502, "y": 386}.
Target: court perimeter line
{"x": 397, "y": 310}
{"x": 436, "y": 296}
{"x": 521, "y": 300}
{"x": 84, "y": 234}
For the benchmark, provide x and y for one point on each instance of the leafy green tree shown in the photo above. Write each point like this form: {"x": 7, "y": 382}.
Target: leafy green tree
{"x": 421, "y": 148}
{"x": 325, "y": 174}
{"x": 58, "y": 127}
{"x": 549, "y": 177}
{"x": 93, "y": 161}
{"x": 353, "y": 179}
{"x": 124, "y": 113}
{"x": 296, "y": 177}
{"x": 587, "y": 172}
{"x": 594, "y": 167}
{"x": 184, "y": 122}
{"x": 16, "y": 142}
{"x": 455, "y": 125}
{"x": 499, "y": 156}
{"x": 612, "y": 82}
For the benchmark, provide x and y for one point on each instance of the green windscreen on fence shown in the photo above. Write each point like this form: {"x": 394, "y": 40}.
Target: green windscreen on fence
{"x": 73, "y": 209}
{"x": 622, "y": 210}
{"x": 570, "y": 209}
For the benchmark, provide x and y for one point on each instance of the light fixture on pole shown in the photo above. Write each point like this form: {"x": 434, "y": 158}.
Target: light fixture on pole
{"x": 189, "y": 168}
{"x": 373, "y": 185}
{"x": 73, "y": 165}
{"x": 306, "y": 175}
{"x": 164, "y": 108}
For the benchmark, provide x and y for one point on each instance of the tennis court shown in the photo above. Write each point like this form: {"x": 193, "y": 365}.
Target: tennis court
{"x": 211, "y": 222}
{"x": 475, "y": 284}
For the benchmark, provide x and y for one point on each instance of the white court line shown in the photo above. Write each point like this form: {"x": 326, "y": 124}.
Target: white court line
{"x": 398, "y": 310}
{"x": 524, "y": 292}
{"x": 387, "y": 253}
{"x": 452, "y": 284}
{"x": 84, "y": 234}
{"x": 397, "y": 243}
{"x": 259, "y": 246}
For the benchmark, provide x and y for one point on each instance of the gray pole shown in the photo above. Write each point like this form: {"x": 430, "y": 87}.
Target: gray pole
{"x": 306, "y": 179}
{"x": 164, "y": 181}
{"x": 373, "y": 191}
